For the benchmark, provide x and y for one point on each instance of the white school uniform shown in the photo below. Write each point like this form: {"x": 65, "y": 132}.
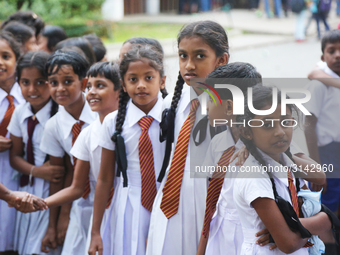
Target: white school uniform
{"x": 128, "y": 223}
{"x": 250, "y": 186}
{"x": 8, "y": 176}
{"x": 87, "y": 148}
{"x": 31, "y": 227}
{"x": 325, "y": 104}
{"x": 225, "y": 228}
{"x": 57, "y": 140}
{"x": 181, "y": 233}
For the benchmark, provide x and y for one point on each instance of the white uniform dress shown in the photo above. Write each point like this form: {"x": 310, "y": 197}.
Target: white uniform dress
{"x": 57, "y": 140}
{"x": 181, "y": 233}
{"x": 8, "y": 177}
{"x": 128, "y": 223}
{"x": 31, "y": 227}
{"x": 87, "y": 148}
{"x": 250, "y": 186}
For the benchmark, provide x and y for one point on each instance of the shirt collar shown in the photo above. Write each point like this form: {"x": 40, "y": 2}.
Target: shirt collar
{"x": 43, "y": 115}
{"x": 15, "y": 92}
{"x": 135, "y": 114}
{"x": 67, "y": 121}
{"x": 330, "y": 72}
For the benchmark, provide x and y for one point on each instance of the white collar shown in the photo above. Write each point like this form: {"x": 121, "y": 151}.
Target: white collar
{"x": 328, "y": 71}
{"x": 15, "y": 92}
{"x": 67, "y": 121}
{"x": 135, "y": 114}
{"x": 96, "y": 126}
{"x": 42, "y": 115}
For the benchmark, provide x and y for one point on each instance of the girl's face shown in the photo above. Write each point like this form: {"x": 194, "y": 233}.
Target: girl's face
{"x": 34, "y": 88}
{"x": 101, "y": 95}
{"x": 124, "y": 49}
{"x": 197, "y": 59}
{"x": 272, "y": 138}
{"x": 7, "y": 61}
{"x": 42, "y": 43}
{"x": 142, "y": 82}
{"x": 65, "y": 86}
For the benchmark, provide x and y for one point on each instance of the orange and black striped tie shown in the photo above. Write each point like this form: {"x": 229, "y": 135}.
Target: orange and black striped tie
{"x": 75, "y": 132}
{"x": 214, "y": 189}
{"x": 146, "y": 161}
{"x": 295, "y": 201}
{"x": 8, "y": 114}
{"x": 172, "y": 187}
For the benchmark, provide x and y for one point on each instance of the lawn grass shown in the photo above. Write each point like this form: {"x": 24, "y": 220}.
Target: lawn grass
{"x": 123, "y": 31}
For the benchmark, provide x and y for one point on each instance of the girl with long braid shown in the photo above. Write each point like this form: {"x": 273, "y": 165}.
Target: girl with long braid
{"x": 178, "y": 211}
{"x": 130, "y": 137}
{"x": 259, "y": 194}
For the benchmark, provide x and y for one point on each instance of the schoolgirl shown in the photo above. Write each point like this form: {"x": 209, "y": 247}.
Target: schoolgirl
{"x": 26, "y": 128}
{"x": 10, "y": 97}
{"x": 178, "y": 212}
{"x": 66, "y": 78}
{"x": 103, "y": 90}
{"x": 137, "y": 119}
{"x": 255, "y": 194}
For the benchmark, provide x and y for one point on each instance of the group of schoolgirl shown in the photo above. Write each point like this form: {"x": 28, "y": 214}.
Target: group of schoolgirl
{"x": 126, "y": 199}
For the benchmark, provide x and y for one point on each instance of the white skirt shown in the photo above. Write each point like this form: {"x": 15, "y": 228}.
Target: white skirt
{"x": 78, "y": 228}
{"x": 126, "y": 229}
{"x": 181, "y": 233}
{"x": 225, "y": 233}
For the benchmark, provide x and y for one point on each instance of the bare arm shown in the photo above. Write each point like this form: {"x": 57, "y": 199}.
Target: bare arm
{"x": 318, "y": 74}
{"x": 75, "y": 191}
{"x": 103, "y": 187}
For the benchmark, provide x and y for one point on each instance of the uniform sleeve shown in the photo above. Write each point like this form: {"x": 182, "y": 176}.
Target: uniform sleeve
{"x": 318, "y": 93}
{"x": 106, "y": 132}
{"x": 252, "y": 188}
{"x": 14, "y": 125}
{"x": 81, "y": 148}
{"x": 49, "y": 142}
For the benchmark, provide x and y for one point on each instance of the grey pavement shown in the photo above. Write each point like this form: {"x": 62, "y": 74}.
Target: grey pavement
{"x": 247, "y": 29}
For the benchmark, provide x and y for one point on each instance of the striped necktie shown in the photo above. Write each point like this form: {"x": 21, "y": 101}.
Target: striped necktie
{"x": 75, "y": 133}
{"x": 31, "y": 123}
{"x": 5, "y": 121}
{"x": 295, "y": 202}
{"x": 214, "y": 189}
{"x": 172, "y": 187}
{"x": 146, "y": 162}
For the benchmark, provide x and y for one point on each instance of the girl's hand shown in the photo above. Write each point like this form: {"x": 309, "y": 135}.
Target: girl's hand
{"x": 316, "y": 187}
{"x": 242, "y": 154}
{"x": 264, "y": 239}
{"x": 5, "y": 143}
{"x": 52, "y": 173}
{"x": 25, "y": 202}
{"x": 96, "y": 245}
{"x": 62, "y": 226}
{"x": 49, "y": 240}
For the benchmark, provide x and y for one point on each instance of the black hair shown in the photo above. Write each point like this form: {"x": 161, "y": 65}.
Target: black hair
{"x": 28, "y": 18}
{"x": 59, "y": 58}
{"x": 146, "y": 41}
{"x": 332, "y": 36}
{"x": 54, "y": 34}
{"x": 20, "y": 31}
{"x": 97, "y": 46}
{"x": 109, "y": 70}
{"x": 37, "y": 59}
{"x": 215, "y": 36}
{"x": 262, "y": 96}
{"x": 81, "y": 43}
{"x": 240, "y": 74}
{"x": 12, "y": 43}
{"x": 138, "y": 52}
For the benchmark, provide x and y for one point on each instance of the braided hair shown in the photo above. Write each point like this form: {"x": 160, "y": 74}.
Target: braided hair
{"x": 215, "y": 36}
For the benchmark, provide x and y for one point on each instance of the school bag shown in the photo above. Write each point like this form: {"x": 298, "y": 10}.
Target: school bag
{"x": 298, "y": 5}
{"x": 324, "y": 5}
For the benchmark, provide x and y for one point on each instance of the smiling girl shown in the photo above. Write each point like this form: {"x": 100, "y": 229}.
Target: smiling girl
{"x": 137, "y": 119}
